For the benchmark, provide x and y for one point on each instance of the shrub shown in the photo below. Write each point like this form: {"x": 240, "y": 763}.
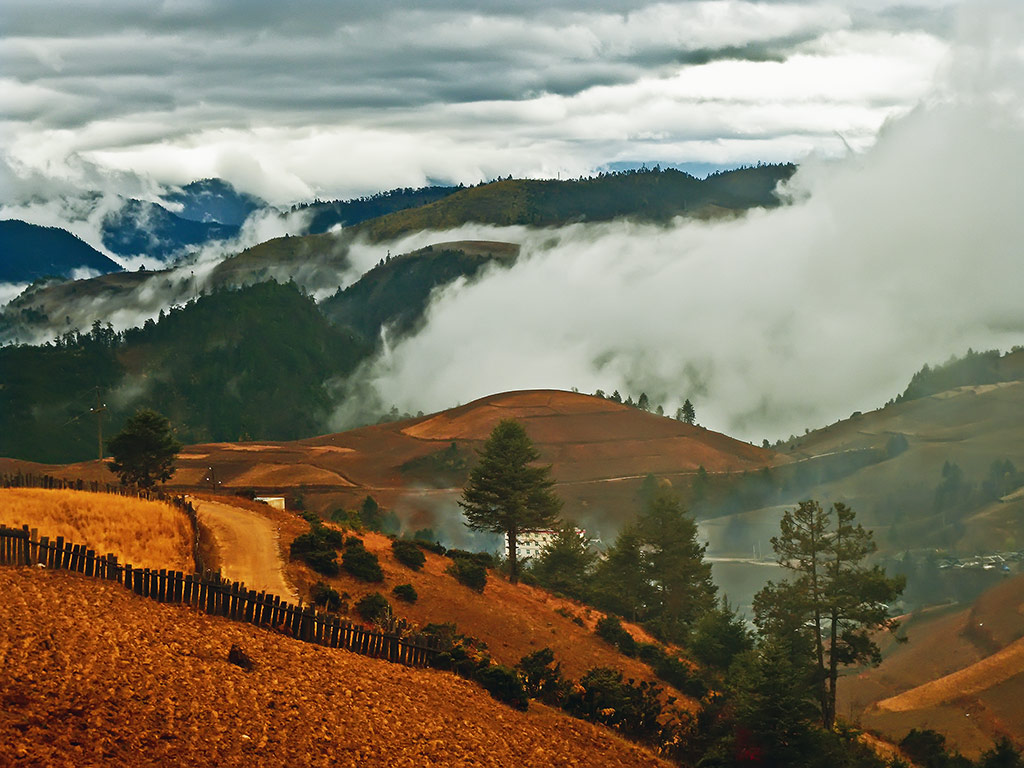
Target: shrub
{"x": 469, "y": 573}
{"x": 330, "y": 536}
{"x": 408, "y": 554}
{"x": 317, "y": 547}
{"x": 326, "y": 595}
{"x": 405, "y": 592}
{"x": 504, "y": 685}
{"x": 603, "y": 697}
{"x": 610, "y": 630}
{"x": 373, "y": 607}
{"x": 484, "y": 559}
{"x": 672, "y": 670}
{"x": 360, "y": 562}
{"x": 542, "y": 676}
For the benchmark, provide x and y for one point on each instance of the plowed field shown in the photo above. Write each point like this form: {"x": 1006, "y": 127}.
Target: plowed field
{"x": 94, "y": 676}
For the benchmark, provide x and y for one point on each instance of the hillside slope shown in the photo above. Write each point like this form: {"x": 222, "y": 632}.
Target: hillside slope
{"x": 29, "y": 252}
{"x": 648, "y": 195}
{"x": 962, "y": 673}
{"x": 229, "y": 365}
{"x": 892, "y": 461}
{"x": 104, "y": 677}
{"x": 514, "y": 620}
{"x": 601, "y": 452}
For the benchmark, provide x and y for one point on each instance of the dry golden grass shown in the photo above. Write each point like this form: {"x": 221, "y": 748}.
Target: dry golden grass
{"x": 147, "y": 534}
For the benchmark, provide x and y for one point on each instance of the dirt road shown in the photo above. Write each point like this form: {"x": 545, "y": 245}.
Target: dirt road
{"x": 248, "y": 546}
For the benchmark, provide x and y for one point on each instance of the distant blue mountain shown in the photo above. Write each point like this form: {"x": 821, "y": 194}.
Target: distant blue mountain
{"x": 214, "y": 201}
{"x": 144, "y": 228}
{"x": 28, "y": 252}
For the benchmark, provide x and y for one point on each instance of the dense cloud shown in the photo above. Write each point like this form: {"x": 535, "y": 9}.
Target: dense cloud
{"x": 902, "y": 255}
{"x": 336, "y": 99}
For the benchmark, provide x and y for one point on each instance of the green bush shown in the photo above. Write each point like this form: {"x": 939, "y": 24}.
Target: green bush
{"x": 542, "y": 677}
{"x": 326, "y": 595}
{"x": 610, "y": 630}
{"x": 309, "y": 548}
{"x": 360, "y": 562}
{"x": 408, "y": 554}
{"x": 373, "y": 607}
{"x": 405, "y": 592}
{"x": 469, "y": 573}
{"x": 484, "y": 559}
{"x": 672, "y": 670}
{"x": 603, "y": 697}
{"x": 504, "y": 685}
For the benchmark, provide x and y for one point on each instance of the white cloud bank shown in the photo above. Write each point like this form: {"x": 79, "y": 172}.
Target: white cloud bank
{"x": 338, "y": 99}
{"x": 901, "y": 255}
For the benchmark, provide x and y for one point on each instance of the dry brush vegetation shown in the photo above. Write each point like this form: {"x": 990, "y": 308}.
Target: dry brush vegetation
{"x": 147, "y": 534}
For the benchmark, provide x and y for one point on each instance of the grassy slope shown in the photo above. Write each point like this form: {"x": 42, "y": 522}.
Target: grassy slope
{"x": 147, "y": 534}
{"x": 961, "y": 672}
{"x": 514, "y": 620}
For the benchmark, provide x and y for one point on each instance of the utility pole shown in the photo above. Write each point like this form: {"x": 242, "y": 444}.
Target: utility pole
{"x": 99, "y": 410}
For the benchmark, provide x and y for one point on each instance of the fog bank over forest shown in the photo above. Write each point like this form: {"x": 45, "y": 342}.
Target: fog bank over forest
{"x": 904, "y": 254}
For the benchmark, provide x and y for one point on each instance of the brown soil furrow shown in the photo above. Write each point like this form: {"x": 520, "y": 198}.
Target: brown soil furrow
{"x": 94, "y": 675}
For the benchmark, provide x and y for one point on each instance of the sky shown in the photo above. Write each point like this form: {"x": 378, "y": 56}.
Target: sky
{"x": 899, "y": 245}
{"x": 338, "y": 98}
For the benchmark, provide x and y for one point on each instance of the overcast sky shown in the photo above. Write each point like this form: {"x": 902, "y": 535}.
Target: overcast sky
{"x": 329, "y": 98}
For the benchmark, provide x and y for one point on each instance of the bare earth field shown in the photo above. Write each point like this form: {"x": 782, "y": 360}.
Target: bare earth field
{"x": 94, "y": 676}
{"x": 961, "y": 673}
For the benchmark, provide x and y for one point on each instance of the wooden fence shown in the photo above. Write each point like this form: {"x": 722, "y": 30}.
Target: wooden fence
{"x": 209, "y": 593}
{"x": 51, "y": 483}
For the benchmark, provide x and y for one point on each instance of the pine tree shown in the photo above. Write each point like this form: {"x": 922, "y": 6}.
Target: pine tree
{"x": 676, "y": 567}
{"x": 834, "y": 599}
{"x": 506, "y": 493}
{"x": 564, "y": 564}
{"x": 687, "y": 414}
{"x": 144, "y": 451}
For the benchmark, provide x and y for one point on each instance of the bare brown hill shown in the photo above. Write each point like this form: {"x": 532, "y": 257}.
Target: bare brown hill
{"x": 961, "y": 672}
{"x": 600, "y": 451}
{"x": 97, "y": 676}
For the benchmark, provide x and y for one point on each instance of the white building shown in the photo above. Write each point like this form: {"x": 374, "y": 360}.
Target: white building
{"x": 277, "y": 502}
{"x": 530, "y": 545}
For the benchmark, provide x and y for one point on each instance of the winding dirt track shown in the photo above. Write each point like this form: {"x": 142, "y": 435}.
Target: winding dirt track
{"x": 248, "y": 544}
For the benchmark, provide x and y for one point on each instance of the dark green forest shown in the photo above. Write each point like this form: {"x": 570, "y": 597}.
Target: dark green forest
{"x": 397, "y": 291}
{"x": 233, "y": 365}
{"x": 654, "y": 195}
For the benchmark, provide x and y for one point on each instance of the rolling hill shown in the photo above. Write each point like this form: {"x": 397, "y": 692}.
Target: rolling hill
{"x": 601, "y": 452}
{"x": 647, "y": 195}
{"x": 397, "y": 292}
{"x": 29, "y": 252}
{"x": 960, "y": 672}
{"x": 893, "y": 461}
